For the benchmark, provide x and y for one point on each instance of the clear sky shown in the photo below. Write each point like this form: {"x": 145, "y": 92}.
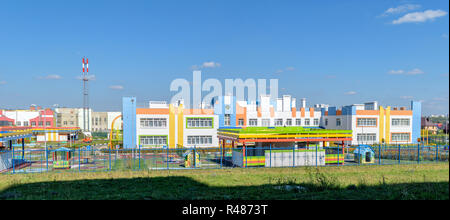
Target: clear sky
{"x": 332, "y": 52}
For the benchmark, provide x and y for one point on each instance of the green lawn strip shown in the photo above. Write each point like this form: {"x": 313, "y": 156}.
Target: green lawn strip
{"x": 425, "y": 181}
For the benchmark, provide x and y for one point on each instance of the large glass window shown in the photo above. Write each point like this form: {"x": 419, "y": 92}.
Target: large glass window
{"x": 338, "y": 122}
{"x": 153, "y": 123}
{"x": 266, "y": 122}
{"x": 253, "y": 122}
{"x": 288, "y": 122}
{"x": 227, "y": 120}
{"x": 316, "y": 121}
{"x": 366, "y": 137}
{"x": 279, "y": 122}
{"x": 307, "y": 122}
{"x": 199, "y": 122}
{"x": 366, "y": 122}
{"x": 153, "y": 140}
{"x": 199, "y": 140}
{"x": 298, "y": 122}
{"x": 400, "y": 122}
{"x": 403, "y": 137}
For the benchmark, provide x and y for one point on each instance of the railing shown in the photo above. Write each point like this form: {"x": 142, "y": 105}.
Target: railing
{"x": 90, "y": 160}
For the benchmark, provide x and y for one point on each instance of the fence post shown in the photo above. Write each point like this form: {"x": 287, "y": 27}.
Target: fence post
{"x": 139, "y": 154}
{"x": 46, "y": 157}
{"x": 316, "y": 155}
{"x": 195, "y": 157}
{"x": 109, "y": 159}
{"x": 221, "y": 155}
{"x": 293, "y": 155}
{"x": 379, "y": 154}
{"x": 399, "y": 149}
{"x": 13, "y": 163}
{"x": 338, "y": 155}
{"x": 437, "y": 151}
{"x": 418, "y": 153}
{"x": 167, "y": 157}
{"x": 270, "y": 155}
{"x": 79, "y": 159}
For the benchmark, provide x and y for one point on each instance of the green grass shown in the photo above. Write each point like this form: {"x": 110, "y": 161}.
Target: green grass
{"x": 424, "y": 181}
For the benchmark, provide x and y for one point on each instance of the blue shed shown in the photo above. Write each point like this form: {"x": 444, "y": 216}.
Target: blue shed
{"x": 364, "y": 154}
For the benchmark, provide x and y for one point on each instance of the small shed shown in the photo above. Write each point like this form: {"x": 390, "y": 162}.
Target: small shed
{"x": 61, "y": 158}
{"x": 364, "y": 154}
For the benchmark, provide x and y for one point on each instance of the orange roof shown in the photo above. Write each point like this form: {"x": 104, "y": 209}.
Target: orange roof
{"x": 401, "y": 112}
{"x": 152, "y": 111}
{"x": 198, "y": 111}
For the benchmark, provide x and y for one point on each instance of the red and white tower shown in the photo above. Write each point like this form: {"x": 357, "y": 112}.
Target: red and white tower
{"x": 85, "y": 78}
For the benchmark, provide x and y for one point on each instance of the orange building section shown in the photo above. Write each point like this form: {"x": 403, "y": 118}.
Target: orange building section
{"x": 198, "y": 111}
{"x": 272, "y": 112}
{"x": 338, "y": 112}
{"x": 241, "y": 113}
{"x": 152, "y": 111}
{"x": 367, "y": 112}
{"x": 401, "y": 112}
{"x": 311, "y": 112}
{"x": 302, "y": 112}
{"x": 294, "y": 112}
{"x": 259, "y": 112}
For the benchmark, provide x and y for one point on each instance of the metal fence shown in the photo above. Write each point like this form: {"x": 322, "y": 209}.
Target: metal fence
{"x": 90, "y": 160}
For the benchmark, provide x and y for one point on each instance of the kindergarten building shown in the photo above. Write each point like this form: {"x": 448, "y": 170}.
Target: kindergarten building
{"x": 171, "y": 125}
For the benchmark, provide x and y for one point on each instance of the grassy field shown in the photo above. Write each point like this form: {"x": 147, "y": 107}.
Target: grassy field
{"x": 425, "y": 181}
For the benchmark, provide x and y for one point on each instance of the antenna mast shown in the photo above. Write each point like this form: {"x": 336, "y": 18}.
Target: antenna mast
{"x": 85, "y": 78}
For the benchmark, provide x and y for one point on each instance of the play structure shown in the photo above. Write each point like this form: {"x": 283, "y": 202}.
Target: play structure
{"x": 115, "y": 136}
{"x": 10, "y": 136}
{"x": 61, "y": 158}
{"x": 283, "y": 146}
{"x": 191, "y": 159}
{"x": 55, "y": 134}
{"x": 364, "y": 154}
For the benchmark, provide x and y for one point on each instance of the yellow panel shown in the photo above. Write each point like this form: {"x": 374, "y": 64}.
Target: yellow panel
{"x": 180, "y": 125}
{"x": 388, "y": 125}
{"x": 381, "y": 124}
{"x": 171, "y": 126}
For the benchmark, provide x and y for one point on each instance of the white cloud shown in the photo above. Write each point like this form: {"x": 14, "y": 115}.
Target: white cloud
{"x": 416, "y": 17}
{"x": 89, "y": 77}
{"x": 290, "y": 68}
{"x": 52, "y": 76}
{"x": 396, "y": 72}
{"x": 400, "y": 9}
{"x": 351, "y": 93}
{"x": 211, "y": 64}
{"x": 2, "y": 82}
{"x": 415, "y": 71}
{"x": 116, "y": 87}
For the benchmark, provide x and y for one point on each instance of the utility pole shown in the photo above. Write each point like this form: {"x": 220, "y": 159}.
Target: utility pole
{"x": 85, "y": 78}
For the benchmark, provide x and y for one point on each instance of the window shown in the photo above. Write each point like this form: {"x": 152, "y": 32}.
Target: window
{"x": 18, "y": 123}
{"x": 316, "y": 121}
{"x": 288, "y": 122}
{"x": 298, "y": 122}
{"x": 153, "y": 122}
{"x": 266, "y": 122}
{"x": 307, "y": 122}
{"x": 71, "y": 123}
{"x": 199, "y": 122}
{"x": 279, "y": 122}
{"x": 404, "y": 137}
{"x": 41, "y": 123}
{"x": 400, "y": 122}
{"x": 338, "y": 122}
{"x": 25, "y": 123}
{"x": 65, "y": 122}
{"x": 227, "y": 120}
{"x": 153, "y": 140}
{"x": 47, "y": 123}
{"x": 253, "y": 122}
{"x": 364, "y": 122}
{"x": 33, "y": 123}
{"x": 199, "y": 140}
{"x": 326, "y": 121}
{"x": 367, "y": 137}
{"x": 241, "y": 122}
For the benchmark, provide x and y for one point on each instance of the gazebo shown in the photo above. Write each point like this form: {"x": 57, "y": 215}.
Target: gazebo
{"x": 282, "y": 146}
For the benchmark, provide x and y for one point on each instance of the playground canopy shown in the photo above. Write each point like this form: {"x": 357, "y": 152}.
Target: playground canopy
{"x": 14, "y": 133}
{"x": 283, "y": 134}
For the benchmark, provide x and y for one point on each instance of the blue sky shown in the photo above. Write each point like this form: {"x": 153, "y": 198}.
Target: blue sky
{"x": 332, "y": 52}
